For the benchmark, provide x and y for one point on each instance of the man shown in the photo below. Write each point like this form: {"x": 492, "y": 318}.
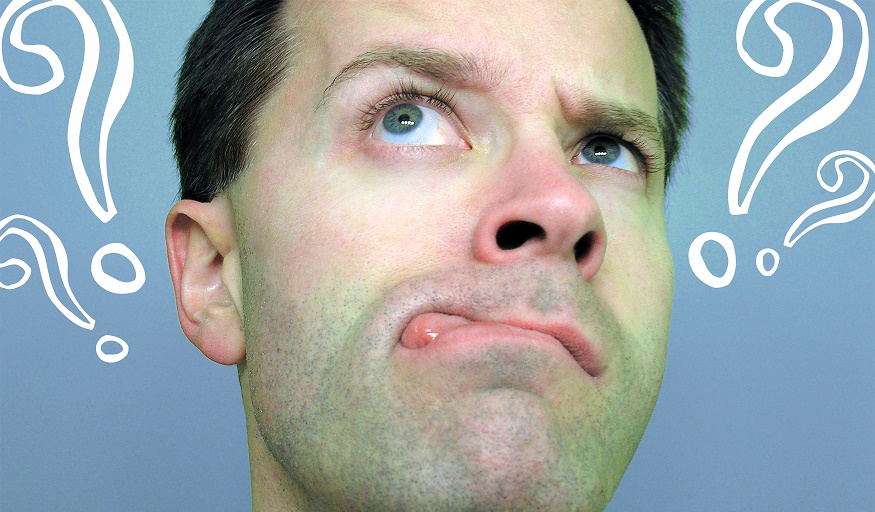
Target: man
{"x": 431, "y": 236}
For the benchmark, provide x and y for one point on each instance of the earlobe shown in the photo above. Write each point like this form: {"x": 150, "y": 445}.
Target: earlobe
{"x": 205, "y": 268}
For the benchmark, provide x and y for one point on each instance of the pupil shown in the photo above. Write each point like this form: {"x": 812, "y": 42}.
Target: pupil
{"x": 402, "y": 119}
{"x": 602, "y": 151}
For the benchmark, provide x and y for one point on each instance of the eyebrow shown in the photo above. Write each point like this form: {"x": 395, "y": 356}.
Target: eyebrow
{"x": 614, "y": 117}
{"x": 456, "y": 70}
{"x": 463, "y": 71}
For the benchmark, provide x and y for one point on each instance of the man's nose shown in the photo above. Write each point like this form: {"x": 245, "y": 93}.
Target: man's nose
{"x": 542, "y": 209}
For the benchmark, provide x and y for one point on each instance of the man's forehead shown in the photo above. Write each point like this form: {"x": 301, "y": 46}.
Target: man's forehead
{"x": 476, "y": 43}
{"x": 356, "y": 24}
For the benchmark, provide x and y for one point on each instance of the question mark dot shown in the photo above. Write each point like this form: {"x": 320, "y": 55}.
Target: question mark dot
{"x": 761, "y": 266}
{"x": 111, "y": 284}
{"x": 111, "y": 358}
{"x": 697, "y": 262}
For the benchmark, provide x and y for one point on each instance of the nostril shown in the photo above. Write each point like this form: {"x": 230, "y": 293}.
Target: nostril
{"x": 583, "y": 246}
{"x": 514, "y": 234}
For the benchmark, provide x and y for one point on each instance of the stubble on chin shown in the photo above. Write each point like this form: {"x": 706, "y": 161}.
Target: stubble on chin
{"x": 334, "y": 414}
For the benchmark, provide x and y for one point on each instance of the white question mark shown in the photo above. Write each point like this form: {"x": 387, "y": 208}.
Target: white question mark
{"x": 823, "y": 117}
{"x": 865, "y": 165}
{"x": 121, "y": 86}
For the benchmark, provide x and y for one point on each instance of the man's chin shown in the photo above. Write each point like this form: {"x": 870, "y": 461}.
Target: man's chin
{"x": 507, "y": 447}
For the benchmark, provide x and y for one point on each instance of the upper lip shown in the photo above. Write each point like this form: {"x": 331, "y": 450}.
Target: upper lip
{"x": 571, "y": 337}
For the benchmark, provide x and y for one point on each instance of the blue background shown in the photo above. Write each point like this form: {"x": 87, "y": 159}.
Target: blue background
{"x": 768, "y": 402}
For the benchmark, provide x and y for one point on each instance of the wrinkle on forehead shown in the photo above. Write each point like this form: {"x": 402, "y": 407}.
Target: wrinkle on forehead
{"x": 527, "y": 38}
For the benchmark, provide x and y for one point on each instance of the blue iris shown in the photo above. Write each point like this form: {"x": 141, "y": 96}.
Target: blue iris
{"x": 402, "y": 119}
{"x": 601, "y": 150}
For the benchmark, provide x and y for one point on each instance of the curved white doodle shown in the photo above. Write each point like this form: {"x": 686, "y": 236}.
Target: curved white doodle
{"x": 864, "y": 164}
{"x": 111, "y": 284}
{"x": 823, "y": 117}
{"x": 121, "y": 86}
{"x": 82, "y": 319}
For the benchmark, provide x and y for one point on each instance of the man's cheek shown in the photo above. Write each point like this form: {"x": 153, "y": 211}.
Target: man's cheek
{"x": 391, "y": 242}
{"x": 636, "y": 278}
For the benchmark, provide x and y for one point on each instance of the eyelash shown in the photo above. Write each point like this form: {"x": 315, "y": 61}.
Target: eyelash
{"x": 442, "y": 99}
{"x": 407, "y": 92}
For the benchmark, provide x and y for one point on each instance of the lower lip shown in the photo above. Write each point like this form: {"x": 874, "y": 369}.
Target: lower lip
{"x": 430, "y": 333}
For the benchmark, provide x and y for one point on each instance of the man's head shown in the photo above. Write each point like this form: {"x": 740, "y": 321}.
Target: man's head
{"x": 434, "y": 242}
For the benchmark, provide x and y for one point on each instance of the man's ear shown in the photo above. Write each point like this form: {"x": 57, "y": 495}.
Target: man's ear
{"x": 205, "y": 268}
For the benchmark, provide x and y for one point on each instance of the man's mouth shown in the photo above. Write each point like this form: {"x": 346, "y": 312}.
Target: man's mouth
{"x": 431, "y": 329}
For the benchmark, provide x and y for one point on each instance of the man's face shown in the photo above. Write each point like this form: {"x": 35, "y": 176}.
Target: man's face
{"x": 456, "y": 280}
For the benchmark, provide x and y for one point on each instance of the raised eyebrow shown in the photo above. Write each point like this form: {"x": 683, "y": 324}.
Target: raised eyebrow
{"x": 456, "y": 70}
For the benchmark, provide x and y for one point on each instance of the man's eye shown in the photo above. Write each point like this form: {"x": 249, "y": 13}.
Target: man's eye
{"x": 607, "y": 150}
{"x": 416, "y": 125}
